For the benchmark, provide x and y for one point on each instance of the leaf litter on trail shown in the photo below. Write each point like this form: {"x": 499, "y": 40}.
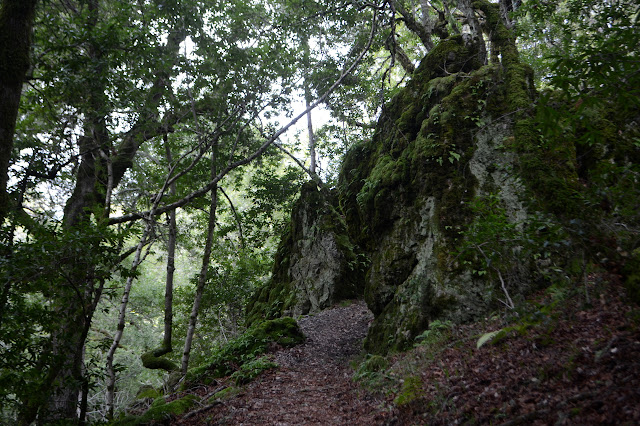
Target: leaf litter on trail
{"x": 579, "y": 366}
{"x": 312, "y": 384}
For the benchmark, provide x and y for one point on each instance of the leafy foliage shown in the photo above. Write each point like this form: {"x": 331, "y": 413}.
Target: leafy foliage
{"x": 499, "y": 247}
{"x": 49, "y": 259}
{"x": 586, "y": 50}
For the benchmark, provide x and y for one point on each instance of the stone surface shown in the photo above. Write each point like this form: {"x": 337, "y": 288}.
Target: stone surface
{"x": 316, "y": 265}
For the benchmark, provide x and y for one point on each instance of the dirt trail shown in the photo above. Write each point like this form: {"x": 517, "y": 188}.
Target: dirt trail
{"x": 313, "y": 384}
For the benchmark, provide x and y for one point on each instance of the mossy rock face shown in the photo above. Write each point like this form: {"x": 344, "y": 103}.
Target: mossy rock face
{"x": 439, "y": 144}
{"x": 316, "y": 264}
{"x": 246, "y": 348}
{"x": 461, "y": 133}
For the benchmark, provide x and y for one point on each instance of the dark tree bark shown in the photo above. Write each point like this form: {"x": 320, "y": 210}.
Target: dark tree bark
{"x": 16, "y": 24}
{"x": 401, "y": 56}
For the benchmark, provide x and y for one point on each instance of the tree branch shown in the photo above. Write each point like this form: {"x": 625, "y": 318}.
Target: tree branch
{"x": 257, "y": 153}
{"x": 235, "y": 215}
{"x": 423, "y": 33}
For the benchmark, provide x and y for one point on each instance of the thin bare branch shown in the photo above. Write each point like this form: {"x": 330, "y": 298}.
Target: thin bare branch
{"x": 258, "y": 152}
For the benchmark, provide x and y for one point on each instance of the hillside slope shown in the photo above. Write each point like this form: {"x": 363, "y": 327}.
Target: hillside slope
{"x": 570, "y": 355}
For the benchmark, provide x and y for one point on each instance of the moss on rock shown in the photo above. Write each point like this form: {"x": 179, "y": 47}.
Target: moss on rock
{"x": 161, "y": 412}
{"x": 247, "y": 347}
{"x": 406, "y": 193}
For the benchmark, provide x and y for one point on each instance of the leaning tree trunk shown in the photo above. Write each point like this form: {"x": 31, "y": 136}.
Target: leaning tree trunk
{"x": 111, "y": 382}
{"x": 16, "y": 23}
{"x": 202, "y": 279}
{"x": 153, "y": 358}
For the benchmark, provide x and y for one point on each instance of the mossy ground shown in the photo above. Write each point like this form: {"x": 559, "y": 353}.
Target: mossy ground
{"x": 561, "y": 357}
{"x": 244, "y": 350}
{"x": 160, "y": 412}
{"x": 241, "y": 358}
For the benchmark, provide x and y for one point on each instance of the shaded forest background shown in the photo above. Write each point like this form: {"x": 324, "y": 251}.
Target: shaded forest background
{"x": 151, "y": 151}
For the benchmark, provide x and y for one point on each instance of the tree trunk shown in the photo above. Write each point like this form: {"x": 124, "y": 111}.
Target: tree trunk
{"x": 99, "y": 172}
{"x": 423, "y": 32}
{"x": 171, "y": 255}
{"x": 111, "y": 383}
{"x": 312, "y": 138}
{"x": 16, "y": 23}
{"x": 56, "y": 397}
{"x": 71, "y": 303}
{"x": 475, "y": 33}
{"x": 307, "y": 101}
{"x": 206, "y": 258}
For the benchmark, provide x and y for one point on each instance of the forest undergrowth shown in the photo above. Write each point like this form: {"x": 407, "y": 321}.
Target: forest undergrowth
{"x": 566, "y": 356}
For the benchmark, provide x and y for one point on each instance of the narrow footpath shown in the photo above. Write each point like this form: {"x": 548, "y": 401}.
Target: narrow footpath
{"x": 312, "y": 385}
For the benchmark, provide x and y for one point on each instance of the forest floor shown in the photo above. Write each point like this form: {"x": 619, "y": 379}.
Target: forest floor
{"x": 313, "y": 384}
{"x": 567, "y": 357}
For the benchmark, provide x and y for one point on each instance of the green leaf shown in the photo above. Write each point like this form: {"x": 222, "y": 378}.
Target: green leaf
{"x": 487, "y": 337}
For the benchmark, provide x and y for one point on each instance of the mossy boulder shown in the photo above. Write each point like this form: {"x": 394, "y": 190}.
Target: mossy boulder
{"x": 316, "y": 264}
{"x": 244, "y": 349}
{"x": 161, "y": 412}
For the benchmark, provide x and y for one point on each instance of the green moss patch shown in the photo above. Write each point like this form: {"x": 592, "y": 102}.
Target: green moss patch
{"x": 252, "y": 369}
{"x": 244, "y": 349}
{"x": 154, "y": 360}
{"x": 160, "y": 412}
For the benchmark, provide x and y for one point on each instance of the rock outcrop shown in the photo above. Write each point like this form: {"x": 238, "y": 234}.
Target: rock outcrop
{"x": 316, "y": 264}
{"x": 439, "y": 145}
{"x": 458, "y": 203}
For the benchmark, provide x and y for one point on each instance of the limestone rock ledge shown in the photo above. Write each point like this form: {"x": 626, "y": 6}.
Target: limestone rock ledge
{"x": 316, "y": 264}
